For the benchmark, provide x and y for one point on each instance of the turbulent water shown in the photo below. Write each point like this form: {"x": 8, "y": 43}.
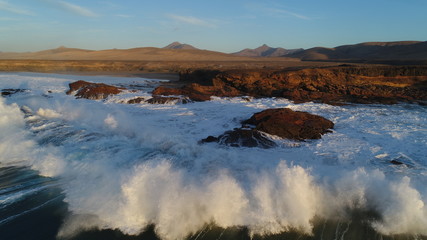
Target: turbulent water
{"x": 84, "y": 169}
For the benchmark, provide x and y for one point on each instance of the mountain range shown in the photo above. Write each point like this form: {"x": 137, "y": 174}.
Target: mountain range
{"x": 367, "y": 52}
{"x": 169, "y": 53}
{"x": 266, "y": 51}
{"x": 409, "y": 52}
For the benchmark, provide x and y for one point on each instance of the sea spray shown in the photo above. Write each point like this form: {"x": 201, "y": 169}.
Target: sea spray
{"x": 130, "y": 167}
{"x": 14, "y": 142}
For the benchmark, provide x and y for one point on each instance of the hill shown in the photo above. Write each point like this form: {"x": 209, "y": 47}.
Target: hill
{"x": 134, "y": 54}
{"x": 409, "y": 51}
{"x": 178, "y": 45}
{"x": 266, "y": 51}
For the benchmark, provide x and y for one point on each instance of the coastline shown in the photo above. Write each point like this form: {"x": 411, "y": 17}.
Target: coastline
{"x": 328, "y": 82}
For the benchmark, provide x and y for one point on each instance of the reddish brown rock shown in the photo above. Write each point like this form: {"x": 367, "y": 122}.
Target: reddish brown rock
{"x": 383, "y": 84}
{"x": 285, "y": 123}
{"x": 95, "y": 91}
{"x": 282, "y": 122}
{"x": 196, "y": 92}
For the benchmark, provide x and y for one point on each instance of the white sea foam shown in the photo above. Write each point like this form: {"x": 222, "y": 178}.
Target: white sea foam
{"x": 48, "y": 113}
{"x": 130, "y": 166}
{"x": 13, "y": 139}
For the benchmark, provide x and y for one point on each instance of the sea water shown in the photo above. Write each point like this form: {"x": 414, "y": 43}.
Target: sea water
{"x": 84, "y": 169}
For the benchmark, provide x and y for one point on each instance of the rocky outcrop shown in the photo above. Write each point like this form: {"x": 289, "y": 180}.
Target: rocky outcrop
{"x": 384, "y": 84}
{"x": 289, "y": 124}
{"x": 94, "y": 91}
{"x": 282, "y": 122}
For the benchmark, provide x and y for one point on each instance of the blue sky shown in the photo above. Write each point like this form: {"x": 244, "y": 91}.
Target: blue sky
{"x": 221, "y": 25}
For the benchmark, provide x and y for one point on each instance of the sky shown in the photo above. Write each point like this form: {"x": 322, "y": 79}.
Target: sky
{"x": 219, "y": 25}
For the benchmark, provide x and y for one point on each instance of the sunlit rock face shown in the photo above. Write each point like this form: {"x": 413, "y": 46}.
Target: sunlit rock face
{"x": 285, "y": 123}
{"x": 282, "y": 122}
{"x": 94, "y": 91}
{"x": 380, "y": 84}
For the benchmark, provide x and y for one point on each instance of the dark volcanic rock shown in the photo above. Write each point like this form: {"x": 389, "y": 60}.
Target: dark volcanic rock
{"x": 136, "y": 100}
{"x": 285, "y": 123}
{"x": 167, "y": 100}
{"x": 242, "y": 138}
{"x": 160, "y": 100}
{"x": 95, "y": 91}
{"x": 10, "y": 91}
{"x": 209, "y": 139}
{"x": 396, "y": 162}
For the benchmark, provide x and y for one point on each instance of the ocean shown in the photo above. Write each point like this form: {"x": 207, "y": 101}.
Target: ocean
{"x": 104, "y": 169}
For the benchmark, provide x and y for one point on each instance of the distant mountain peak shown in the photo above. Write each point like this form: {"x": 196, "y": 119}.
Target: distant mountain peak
{"x": 174, "y": 44}
{"x": 264, "y": 47}
{"x": 178, "y": 45}
{"x": 265, "y": 51}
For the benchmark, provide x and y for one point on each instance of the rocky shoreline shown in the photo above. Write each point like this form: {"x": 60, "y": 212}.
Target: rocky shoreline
{"x": 281, "y": 122}
{"x": 332, "y": 85}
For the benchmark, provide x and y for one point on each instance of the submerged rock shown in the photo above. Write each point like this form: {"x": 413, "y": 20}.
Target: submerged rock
{"x": 167, "y": 100}
{"x": 286, "y": 123}
{"x": 94, "y": 91}
{"x": 396, "y": 162}
{"x": 136, "y": 100}
{"x": 160, "y": 100}
{"x": 242, "y": 138}
{"x": 10, "y": 91}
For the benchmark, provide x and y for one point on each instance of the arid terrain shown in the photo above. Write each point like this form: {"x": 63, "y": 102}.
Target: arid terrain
{"x": 173, "y": 58}
{"x": 177, "y": 57}
{"x": 140, "y": 67}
